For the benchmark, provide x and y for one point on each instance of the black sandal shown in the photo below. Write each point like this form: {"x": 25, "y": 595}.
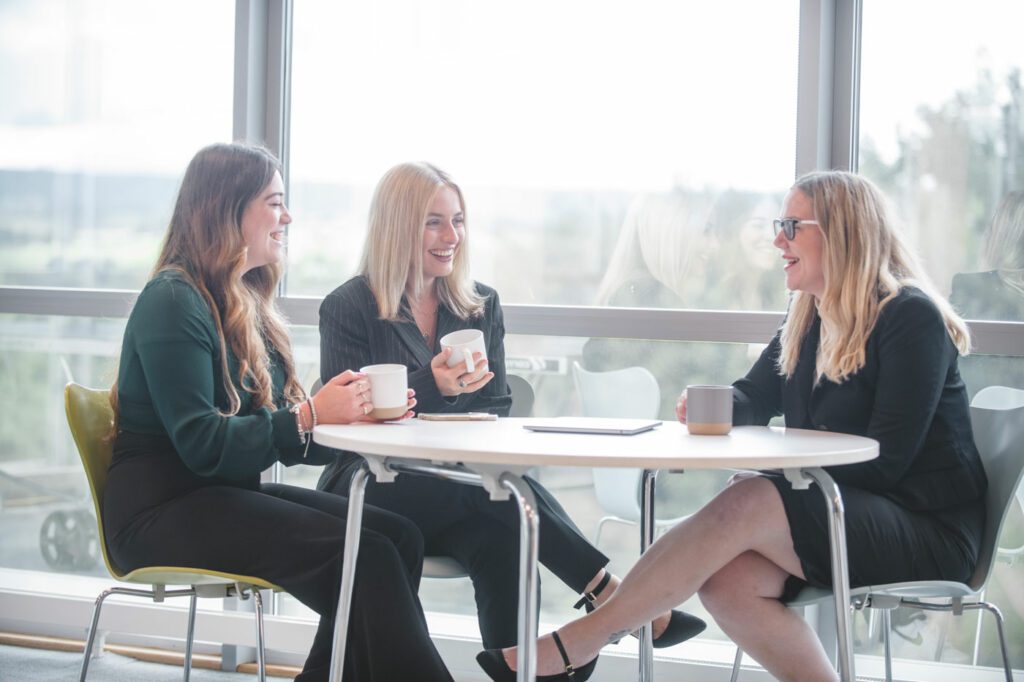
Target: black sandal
{"x": 493, "y": 663}
{"x": 681, "y": 625}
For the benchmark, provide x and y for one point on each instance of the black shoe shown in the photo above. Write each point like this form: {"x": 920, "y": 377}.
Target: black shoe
{"x": 493, "y": 663}
{"x": 681, "y": 626}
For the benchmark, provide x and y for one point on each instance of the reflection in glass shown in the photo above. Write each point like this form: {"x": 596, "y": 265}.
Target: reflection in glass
{"x": 554, "y": 127}
{"x": 46, "y": 515}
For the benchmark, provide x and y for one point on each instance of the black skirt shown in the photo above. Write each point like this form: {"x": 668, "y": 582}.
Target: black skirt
{"x": 885, "y": 542}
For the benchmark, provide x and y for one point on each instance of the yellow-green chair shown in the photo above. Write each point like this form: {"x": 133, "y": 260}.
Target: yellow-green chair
{"x": 90, "y": 418}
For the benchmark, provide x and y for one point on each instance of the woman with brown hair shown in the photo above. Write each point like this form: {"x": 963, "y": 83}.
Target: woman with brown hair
{"x": 207, "y": 399}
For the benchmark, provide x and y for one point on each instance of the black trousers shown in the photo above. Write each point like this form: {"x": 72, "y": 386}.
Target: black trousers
{"x": 157, "y": 512}
{"x": 461, "y": 521}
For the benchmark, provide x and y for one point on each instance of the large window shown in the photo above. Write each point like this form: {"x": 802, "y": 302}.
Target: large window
{"x": 104, "y": 102}
{"x": 612, "y": 154}
{"x": 947, "y": 145}
{"x": 603, "y": 149}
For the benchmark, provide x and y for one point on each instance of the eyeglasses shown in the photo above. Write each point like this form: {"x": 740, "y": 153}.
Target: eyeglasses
{"x": 787, "y": 226}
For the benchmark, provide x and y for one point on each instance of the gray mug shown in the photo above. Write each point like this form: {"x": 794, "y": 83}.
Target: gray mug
{"x": 709, "y": 410}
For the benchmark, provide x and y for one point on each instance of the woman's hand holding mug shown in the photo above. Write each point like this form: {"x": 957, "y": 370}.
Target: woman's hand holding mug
{"x": 452, "y": 381}
{"x": 346, "y": 399}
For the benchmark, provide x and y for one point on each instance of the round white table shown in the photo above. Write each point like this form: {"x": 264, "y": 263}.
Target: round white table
{"x": 495, "y": 454}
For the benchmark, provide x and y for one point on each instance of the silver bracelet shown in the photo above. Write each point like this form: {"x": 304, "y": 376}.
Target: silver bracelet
{"x": 297, "y": 411}
{"x": 312, "y": 411}
{"x": 309, "y": 438}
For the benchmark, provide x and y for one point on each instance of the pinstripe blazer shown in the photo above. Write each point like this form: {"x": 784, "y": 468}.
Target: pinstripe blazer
{"x": 352, "y": 336}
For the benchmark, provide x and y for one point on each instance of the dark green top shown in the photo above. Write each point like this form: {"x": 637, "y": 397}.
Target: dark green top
{"x": 170, "y": 384}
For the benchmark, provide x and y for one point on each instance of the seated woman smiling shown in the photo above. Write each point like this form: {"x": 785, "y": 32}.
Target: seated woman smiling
{"x": 413, "y": 288}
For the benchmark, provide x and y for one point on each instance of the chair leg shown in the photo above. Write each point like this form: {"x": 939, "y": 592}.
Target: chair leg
{"x": 600, "y": 527}
{"x": 261, "y": 661}
{"x": 190, "y": 636}
{"x": 92, "y": 632}
{"x": 736, "y": 665}
{"x": 886, "y": 638}
{"x": 994, "y": 610}
{"x": 606, "y": 519}
{"x": 977, "y": 632}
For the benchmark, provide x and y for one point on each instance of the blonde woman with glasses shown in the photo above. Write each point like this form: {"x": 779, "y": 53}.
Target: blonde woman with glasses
{"x": 868, "y": 348}
{"x": 413, "y": 288}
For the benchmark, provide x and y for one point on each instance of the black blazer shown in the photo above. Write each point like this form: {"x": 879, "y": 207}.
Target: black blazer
{"x": 908, "y": 396}
{"x": 352, "y": 335}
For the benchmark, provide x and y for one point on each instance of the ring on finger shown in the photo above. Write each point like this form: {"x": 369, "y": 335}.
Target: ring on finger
{"x": 462, "y": 382}
{"x": 366, "y": 408}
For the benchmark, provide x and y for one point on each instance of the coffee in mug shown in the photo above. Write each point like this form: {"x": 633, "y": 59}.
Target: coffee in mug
{"x": 709, "y": 410}
{"x": 464, "y": 343}
{"x": 389, "y": 390}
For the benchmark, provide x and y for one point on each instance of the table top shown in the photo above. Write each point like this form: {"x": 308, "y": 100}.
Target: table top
{"x": 669, "y": 446}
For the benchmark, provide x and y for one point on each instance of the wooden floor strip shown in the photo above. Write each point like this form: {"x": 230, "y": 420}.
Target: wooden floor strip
{"x": 151, "y": 654}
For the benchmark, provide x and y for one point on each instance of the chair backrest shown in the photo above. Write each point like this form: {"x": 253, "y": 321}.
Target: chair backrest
{"x": 90, "y": 418}
{"x": 631, "y": 392}
{"x": 522, "y": 396}
{"x": 997, "y": 418}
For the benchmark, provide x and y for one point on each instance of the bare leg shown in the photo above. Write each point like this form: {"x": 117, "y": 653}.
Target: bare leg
{"x": 746, "y": 516}
{"x": 743, "y": 598}
{"x": 660, "y": 623}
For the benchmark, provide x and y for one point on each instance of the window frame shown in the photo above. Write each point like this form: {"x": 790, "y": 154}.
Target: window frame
{"x": 828, "y": 92}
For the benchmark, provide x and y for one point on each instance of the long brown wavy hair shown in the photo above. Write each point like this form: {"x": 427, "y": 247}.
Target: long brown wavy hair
{"x": 204, "y": 243}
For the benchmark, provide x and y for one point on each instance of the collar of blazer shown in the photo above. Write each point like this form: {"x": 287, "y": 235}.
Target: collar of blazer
{"x": 410, "y": 334}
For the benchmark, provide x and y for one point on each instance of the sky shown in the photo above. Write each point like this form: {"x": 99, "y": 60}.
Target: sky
{"x": 551, "y": 94}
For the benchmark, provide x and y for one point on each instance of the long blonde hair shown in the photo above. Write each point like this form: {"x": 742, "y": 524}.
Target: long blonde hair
{"x": 393, "y": 255}
{"x": 205, "y": 245}
{"x": 658, "y": 238}
{"x": 865, "y": 264}
{"x": 1004, "y": 241}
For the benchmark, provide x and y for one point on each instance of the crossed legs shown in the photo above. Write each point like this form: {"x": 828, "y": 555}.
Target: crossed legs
{"x": 737, "y": 553}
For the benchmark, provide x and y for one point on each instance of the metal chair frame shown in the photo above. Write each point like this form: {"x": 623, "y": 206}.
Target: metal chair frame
{"x": 90, "y": 419}
{"x": 997, "y": 418}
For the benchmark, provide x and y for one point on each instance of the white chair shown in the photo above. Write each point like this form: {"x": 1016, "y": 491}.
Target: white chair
{"x": 992, "y": 397}
{"x": 997, "y": 418}
{"x": 631, "y": 392}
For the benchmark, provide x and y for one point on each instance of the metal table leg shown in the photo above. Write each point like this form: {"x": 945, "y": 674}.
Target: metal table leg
{"x": 840, "y": 570}
{"x": 648, "y": 480}
{"x": 528, "y": 593}
{"x": 353, "y": 528}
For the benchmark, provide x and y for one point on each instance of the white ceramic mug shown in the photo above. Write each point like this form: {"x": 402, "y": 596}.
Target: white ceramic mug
{"x": 389, "y": 390}
{"x": 709, "y": 410}
{"x": 464, "y": 343}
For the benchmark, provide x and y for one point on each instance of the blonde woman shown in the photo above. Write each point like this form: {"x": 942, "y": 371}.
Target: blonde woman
{"x": 207, "y": 399}
{"x": 868, "y": 348}
{"x": 413, "y": 288}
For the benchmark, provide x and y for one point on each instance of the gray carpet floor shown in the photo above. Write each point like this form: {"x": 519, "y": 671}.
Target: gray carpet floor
{"x": 23, "y": 664}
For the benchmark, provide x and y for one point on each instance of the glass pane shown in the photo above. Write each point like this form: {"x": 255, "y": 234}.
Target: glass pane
{"x": 46, "y": 511}
{"x": 105, "y": 101}
{"x": 646, "y": 144}
{"x": 947, "y": 144}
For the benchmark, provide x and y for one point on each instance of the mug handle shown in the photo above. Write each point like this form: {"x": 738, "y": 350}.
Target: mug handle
{"x": 467, "y": 354}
